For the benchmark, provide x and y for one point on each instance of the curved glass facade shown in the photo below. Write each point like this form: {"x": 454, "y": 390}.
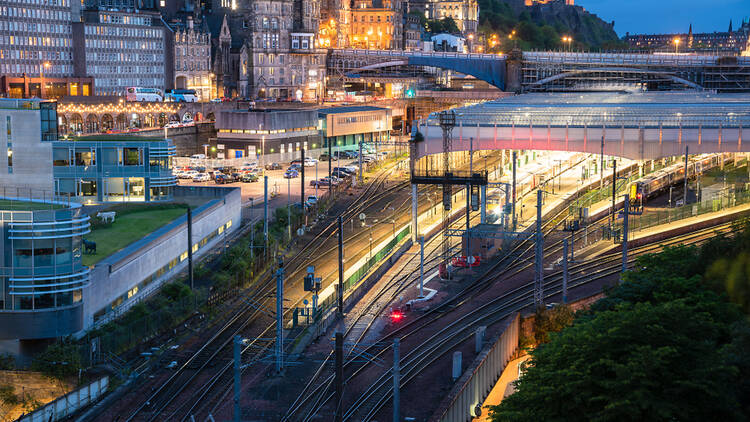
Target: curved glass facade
{"x": 113, "y": 170}
{"x": 41, "y": 269}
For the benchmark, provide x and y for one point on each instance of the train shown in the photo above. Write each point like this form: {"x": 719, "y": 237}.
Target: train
{"x": 656, "y": 182}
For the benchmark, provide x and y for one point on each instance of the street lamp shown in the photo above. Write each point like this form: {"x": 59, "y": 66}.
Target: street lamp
{"x": 567, "y": 39}
{"x": 676, "y": 42}
{"x": 41, "y": 78}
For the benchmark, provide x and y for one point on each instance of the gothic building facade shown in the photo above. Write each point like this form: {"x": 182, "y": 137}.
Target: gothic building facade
{"x": 268, "y": 49}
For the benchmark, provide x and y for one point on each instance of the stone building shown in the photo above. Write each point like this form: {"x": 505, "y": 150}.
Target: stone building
{"x": 268, "y": 49}
{"x": 192, "y": 59}
{"x": 731, "y": 41}
{"x": 375, "y": 26}
{"x": 464, "y": 12}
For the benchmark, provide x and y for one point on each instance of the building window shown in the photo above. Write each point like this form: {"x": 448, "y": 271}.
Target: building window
{"x": 7, "y": 125}
{"x": 10, "y": 157}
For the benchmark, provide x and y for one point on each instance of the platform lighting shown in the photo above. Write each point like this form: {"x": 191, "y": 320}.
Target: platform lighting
{"x": 676, "y": 42}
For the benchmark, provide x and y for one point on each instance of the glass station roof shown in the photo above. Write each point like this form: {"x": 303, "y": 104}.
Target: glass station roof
{"x": 611, "y": 109}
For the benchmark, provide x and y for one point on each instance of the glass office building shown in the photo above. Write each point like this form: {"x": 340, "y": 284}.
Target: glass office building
{"x": 41, "y": 274}
{"x": 93, "y": 170}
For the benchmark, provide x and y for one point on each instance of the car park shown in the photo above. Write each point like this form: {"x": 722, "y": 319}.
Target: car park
{"x": 273, "y": 166}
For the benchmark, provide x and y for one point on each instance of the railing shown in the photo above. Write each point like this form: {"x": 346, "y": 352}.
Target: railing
{"x": 473, "y": 387}
{"x": 67, "y": 405}
{"x": 653, "y": 218}
{"x": 624, "y": 58}
{"x": 402, "y": 53}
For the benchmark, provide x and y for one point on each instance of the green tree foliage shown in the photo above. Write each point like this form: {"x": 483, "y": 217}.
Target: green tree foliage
{"x": 8, "y": 395}
{"x": 547, "y": 321}
{"x": 7, "y": 362}
{"x": 661, "y": 346}
{"x": 60, "y": 360}
{"x": 446, "y": 24}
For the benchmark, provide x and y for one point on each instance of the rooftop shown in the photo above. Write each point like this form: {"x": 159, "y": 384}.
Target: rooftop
{"x": 349, "y": 109}
{"x": 21, "y": 205}
{"x": 609, "y": 109}
{"x": 20, "y": 103}
{"x": 112, "y": 138}
{"x": 132, "y": 223}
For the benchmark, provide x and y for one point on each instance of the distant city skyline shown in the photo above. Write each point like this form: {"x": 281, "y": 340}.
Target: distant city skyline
{"x": 669, "y": 16}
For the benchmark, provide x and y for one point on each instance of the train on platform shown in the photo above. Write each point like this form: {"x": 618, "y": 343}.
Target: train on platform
{"x": 656, "y": 182}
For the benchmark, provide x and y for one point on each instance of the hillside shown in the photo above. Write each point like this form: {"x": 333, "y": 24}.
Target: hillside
{"x": 542, "y": 26}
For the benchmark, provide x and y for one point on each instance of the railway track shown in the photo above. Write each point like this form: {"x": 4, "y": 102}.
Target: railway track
{"x": 369, "y": 403}
{"x": 188, "y": 378}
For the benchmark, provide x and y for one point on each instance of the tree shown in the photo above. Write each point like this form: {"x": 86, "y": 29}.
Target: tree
{"x": 661, "y": 346}
{"x": 59, "y": 360}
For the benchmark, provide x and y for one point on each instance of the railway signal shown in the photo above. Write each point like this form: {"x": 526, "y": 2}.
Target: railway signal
{"x": 396, "y": 315}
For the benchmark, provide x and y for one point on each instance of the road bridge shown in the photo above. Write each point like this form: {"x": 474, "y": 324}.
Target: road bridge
{"x": 558, "y": 71}
{"x": 637, "y": 126}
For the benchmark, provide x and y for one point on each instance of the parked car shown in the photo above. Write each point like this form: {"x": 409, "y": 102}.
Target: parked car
{"x": 340, "y": 174}
{"x": 201, "y": 177}
{"x": 346, "y": 170}
{"x": 311, "y": 200}
{"x": 320, "y": 183}
{"x": 324, "y": 157}
{"x": 310, "y": 162}
{"x": 295, "y": 166}
{"x": 188, "y": 174}
{"x": 221, "y": 178}
{"x": 249, "y": 177}
{"x": 291, "y": 174}
{"x": 273, "y": 166}
{"x": 236, "y": 176}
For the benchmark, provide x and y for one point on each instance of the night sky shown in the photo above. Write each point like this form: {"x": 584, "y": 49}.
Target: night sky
{"x": 668, "y": 16}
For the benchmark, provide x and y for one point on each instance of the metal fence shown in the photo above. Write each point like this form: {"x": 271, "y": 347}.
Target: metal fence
{"x": 472, "y": 388}
{"x": 67, "y": 405}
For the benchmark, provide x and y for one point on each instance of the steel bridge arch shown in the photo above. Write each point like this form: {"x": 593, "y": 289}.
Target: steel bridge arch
{"x": 491, "y": 71}
{"x": 614, "y": 70}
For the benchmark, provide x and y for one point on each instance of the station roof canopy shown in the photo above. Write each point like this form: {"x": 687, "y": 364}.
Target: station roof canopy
{"x": 610, "y": 109}
{"x": 349, "y": 109}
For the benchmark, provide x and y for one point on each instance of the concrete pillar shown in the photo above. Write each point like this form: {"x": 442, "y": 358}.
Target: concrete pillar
{"x": 456, "y": 373}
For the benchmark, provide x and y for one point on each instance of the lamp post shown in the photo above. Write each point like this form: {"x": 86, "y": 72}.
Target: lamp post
{"x": 676, "y": 42}
{"x": 41, "y": 79}
{"x": 567, "y": 39}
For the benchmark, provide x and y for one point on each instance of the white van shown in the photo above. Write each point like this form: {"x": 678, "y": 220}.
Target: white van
{"x": 198, "y": 156}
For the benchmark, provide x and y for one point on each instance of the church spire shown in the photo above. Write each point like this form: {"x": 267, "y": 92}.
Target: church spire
{"x": 730, "y": 26}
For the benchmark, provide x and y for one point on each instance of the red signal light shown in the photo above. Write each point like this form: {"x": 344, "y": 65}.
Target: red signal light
{"x": 396, "y": 315}
{"x": 640, "y": 195}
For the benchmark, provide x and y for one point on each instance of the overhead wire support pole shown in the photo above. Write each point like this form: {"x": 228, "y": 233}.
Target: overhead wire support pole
{"x": 265, "y": 213}
{"x": 614, "y": 191}
{"x": 396, "y": 381}
{"x": 685, "y": 196}
{"x": 625, "y": 213}
{"x": 601, "y": 165}
{"x": 302, "y": 184}
{"x": 565, "y": 272}
{"x": 280, "y": 317}
{"x": 513, "y": 198}
{"x": 237, "y": 381}
{"x": 340, "y": 289}
{"x": 339, "y": 376}
{"x": 539, "y": 288}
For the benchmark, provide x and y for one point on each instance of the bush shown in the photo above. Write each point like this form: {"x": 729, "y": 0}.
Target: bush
{"x": 7, "y": 362}
{"x": 60, "y": 360}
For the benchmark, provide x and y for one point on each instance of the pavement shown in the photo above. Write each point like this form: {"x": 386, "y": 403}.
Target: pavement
{"x": 502, "y": 388}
